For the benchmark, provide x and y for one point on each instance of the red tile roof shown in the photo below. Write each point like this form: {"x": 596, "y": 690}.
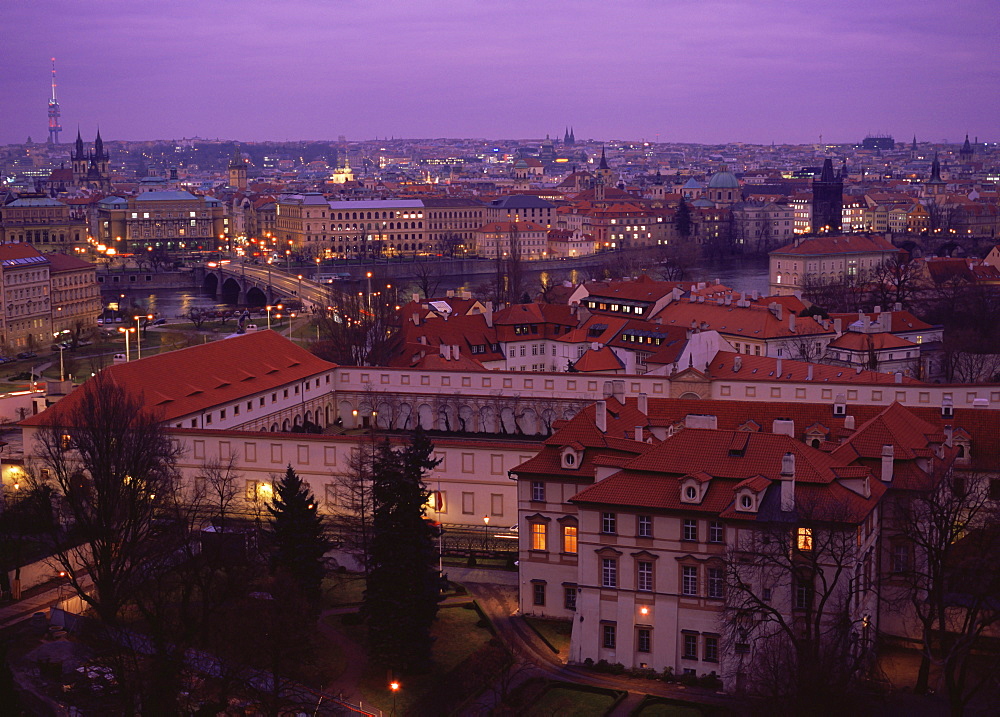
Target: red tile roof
{"x": 841, "y": 244}
{"x": 600, "y": 361}
{"x": 187, "y": 381}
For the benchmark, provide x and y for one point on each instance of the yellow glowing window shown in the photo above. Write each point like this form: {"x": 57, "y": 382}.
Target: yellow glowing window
{"x": 804, "y": 539}
{"x": 569, "y": 539}
{"x": 538, "y": 536}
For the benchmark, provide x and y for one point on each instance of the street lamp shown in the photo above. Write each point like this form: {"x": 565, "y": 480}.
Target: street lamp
{"x": 291, "y": 317}
{"x": 394, "y": 686}
{"x": 138, "y": 335}
{"x": 62, "y": 373}
{"x": 268, "y": 310}
{"x": 486, "y": 521}
{"x": 126, "y": 331}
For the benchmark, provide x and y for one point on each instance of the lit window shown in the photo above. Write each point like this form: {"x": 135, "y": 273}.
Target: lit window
{"x": 569, "y": 539}
{"x": 804, "y": 539}
{"x": 538, "y": 536}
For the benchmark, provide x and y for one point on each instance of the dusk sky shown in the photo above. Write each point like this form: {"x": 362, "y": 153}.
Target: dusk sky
{"x": 674, "y": 70}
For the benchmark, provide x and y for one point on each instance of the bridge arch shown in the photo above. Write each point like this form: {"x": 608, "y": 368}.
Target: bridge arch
{"x": 256, "y": 296}
{"x": 230, "y": 291}
{"x": 211, "y": 283}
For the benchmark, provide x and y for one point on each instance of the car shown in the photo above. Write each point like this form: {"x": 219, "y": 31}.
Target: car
{"x": 5, "y": 359}
{"x": 159, "y": 322}
{"x": 27, "y": 355}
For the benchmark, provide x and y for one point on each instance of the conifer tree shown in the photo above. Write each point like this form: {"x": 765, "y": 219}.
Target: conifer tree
{"x": 683, "y": 219}
{"x": 402, "y": 591}
{"x": 299, "y": 538}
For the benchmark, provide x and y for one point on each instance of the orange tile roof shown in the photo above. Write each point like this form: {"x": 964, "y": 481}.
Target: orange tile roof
{"x": 599, "y": 361}
{"x": 899, "y": 320}
{"x": 187, "y": 381}
{"x": 856, "y": 341}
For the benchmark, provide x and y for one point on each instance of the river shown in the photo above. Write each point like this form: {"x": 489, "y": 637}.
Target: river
{"x": 741, "y": 273}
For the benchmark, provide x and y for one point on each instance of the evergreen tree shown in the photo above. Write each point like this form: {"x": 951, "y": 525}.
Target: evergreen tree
{"x": 402, "y": 591}
{"x": 683, "y": 219}
{"x": 299, "y": 538}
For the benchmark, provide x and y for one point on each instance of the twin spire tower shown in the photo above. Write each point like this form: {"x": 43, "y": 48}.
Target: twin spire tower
{"x": 54, "y": 127}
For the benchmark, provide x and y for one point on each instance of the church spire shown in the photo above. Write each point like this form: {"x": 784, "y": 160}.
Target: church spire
{"x": 604, "y": 160}
{"x": 935, "y": 171}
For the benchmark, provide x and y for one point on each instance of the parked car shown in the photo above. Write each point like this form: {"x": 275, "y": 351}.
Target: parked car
{"x": 27, "y": 355}
{"x": 159, "y": 322}
{"x": 5, "y": 359}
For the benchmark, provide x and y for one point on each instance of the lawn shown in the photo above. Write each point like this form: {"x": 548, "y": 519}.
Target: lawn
{"x": 665, "y": 709}
{"x": 342, "y": 589}
{"x": 556, "y": 632}
{"x": 456, "y": 637}
{"x": 564, "y": 700}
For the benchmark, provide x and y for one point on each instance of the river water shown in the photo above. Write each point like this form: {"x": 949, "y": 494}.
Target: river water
{"x": 741, "y": 273}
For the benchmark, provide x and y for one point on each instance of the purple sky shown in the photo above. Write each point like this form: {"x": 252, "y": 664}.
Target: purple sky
{"x": 677, "y": 70}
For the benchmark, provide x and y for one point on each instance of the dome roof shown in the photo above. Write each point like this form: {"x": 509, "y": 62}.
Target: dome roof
{"x": 723, "y": 180}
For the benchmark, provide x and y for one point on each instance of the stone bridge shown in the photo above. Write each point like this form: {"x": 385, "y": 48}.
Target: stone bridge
{"x": 942, "y": 244}
{"x": 259, "y": 286}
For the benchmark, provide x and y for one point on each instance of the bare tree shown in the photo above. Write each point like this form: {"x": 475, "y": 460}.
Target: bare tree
{"x": 222, "y": 484}
{"x": 113, "y": 467}
{"x": 196, "y": 316}
{"x": 941, "y": 568}
{"x": 427, "y": 276}
{"x": 358, "y": 330}
{"x": 789, "y": 595}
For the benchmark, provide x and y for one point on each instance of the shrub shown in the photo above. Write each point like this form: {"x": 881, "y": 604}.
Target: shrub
{"x": 589, "y": 663}
{"x": 710, "y": 681}
{"x": 617, "y": 669}
{"x": 602, "y": 665}
{"x": 689, "y": 679}
{"x": 668, "y": 674}
{"x": 471, "y": 562}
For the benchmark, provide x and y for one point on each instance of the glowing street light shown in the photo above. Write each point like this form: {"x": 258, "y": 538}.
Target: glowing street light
{"x": 138, "y": 335}
{"x": 394, "y": 687}
{"x": 126, "y": 331}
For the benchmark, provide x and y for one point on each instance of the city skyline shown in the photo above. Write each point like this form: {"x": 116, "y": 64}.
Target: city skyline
{"x": 687, "y": 72}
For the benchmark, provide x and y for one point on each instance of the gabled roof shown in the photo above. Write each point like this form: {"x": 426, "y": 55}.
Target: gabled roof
{"x": 894, "y": 426}
{"x": 856, "y": 341}
{"x": 602, "y": 360}
{"x": 188, "y": 381}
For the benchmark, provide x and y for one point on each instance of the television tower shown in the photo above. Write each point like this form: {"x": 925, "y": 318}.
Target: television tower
{"x": 54, "y": 127}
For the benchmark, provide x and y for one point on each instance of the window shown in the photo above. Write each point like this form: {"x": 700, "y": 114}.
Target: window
{"x": 569, "y": 539}
{"x": 537, "y": 490}
{"x": 645, "y": 528}
{"x": 690, "y": 493}
{"x": 609, "y": 573}
{"x": 689, "y": 580}
{"x": 995, "y": 489}
{"x": 715, "y": 532}
{"x": 690, "y": 529}
{"x": 803, "y": 595}
{"x": 899, "y": 558}
{"x": 644, "y": 639}
{"x": 804, "y": 539}
{"x": 690, "y": 647}
{"x": 538, "y": 591}
{"x": 609, "y": 523}
{"x": 569, "y": 597}
{"x": 608, "y": 636}
{"x": 538, "y": 536}
{"x": 711, "y": 648}
{"x": 715, "y": 578}
{"x": 746, "y": 502}
{"x": 644, "y": 579}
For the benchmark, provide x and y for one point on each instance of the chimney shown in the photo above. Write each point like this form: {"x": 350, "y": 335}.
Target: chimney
{"x": 897, "y": 306}
{"x": 445, "y": 351}
{"x": 788, "y": 482}
{"x": 601, "y": 416}
{"x": 777, "y": 368}
{"x": 949, "y": 435}
{"x": 618, "y": 387}
{"x": 642, "y": 403}
{"x": 456, "y": 351}
{"x": 638, "y": 433}
{"x": 838, "y": 326}
{"x": 791, "y": 322}
{"x": 878, "y": 309}
{"x": 888, "y": 452}
{"x": 809, "y": 372}
{"x": 899, "y": 377}
{"x": 489, "y": 314}
{"x": 416, "y": 318}
{"x": 737, "y": 363}
{"x": 849, "y": 423}
{"x": 783, "y": 427}
{"x": 416, "y": 298}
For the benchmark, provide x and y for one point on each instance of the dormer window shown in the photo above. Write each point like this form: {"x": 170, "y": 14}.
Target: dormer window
{"x": 694, "y": 486}
{"x": 571, "y": 458}
{"x": 746, "y": 502}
